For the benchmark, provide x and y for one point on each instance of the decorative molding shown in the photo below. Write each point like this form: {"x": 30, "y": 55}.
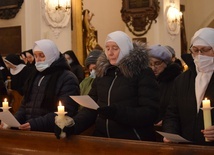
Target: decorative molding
{"x": 57, "y": 19}
{"x": 173, "y": 22}
{"x": 138, "y": 15}
{"x": 9, "y": 10}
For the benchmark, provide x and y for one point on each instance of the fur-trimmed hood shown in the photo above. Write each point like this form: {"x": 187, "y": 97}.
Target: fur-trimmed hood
{"x": 130, "y": 65}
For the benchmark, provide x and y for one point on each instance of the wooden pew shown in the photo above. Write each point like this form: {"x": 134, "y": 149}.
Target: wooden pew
{"x": 39, "y": 143}
{"x": 15, "y": 101}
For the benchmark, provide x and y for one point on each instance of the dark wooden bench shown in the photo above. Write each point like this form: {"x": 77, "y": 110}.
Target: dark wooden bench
{"x": 39, "y": 143}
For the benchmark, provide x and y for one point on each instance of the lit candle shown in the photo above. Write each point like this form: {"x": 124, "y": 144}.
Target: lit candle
{"x": 5, "y": 103}
{"x": 206, "y": 103}
{"x": 206, "y": 113}
{"x": 60, "y": 119}
{"x": 61, "y": 109}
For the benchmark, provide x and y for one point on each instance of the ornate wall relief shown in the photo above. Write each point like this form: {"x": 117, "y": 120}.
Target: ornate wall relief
{"x": 57, "y": 15}
{"x": 138, "y": 15}
{"x": 89, "y": 33}
{"x": 173, "y": 20}
{"x": 9, "y": 8}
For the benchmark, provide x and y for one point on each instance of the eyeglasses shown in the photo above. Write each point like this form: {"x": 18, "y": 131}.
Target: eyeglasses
{"x": 195, "y": 50}
{"x": 156, "y": 63}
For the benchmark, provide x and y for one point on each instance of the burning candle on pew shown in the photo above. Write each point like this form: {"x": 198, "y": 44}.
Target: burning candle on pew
{"x": 206, "y": 113}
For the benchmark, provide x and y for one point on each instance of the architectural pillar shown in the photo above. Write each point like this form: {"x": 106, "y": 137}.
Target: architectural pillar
{"x": 77, "y": 34}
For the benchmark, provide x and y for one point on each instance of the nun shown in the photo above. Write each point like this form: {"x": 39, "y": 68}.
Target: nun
{"x": 184, "y": 115}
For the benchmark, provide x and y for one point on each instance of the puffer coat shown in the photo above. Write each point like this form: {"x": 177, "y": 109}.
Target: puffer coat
{"x": 131, "y": 87}
{"x": 33, "y": 110}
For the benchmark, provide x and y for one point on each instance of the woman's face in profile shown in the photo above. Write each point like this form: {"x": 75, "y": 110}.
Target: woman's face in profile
{"x": 30, "y": 58}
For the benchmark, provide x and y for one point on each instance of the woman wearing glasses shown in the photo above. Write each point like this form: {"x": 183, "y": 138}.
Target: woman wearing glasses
{"x": 184, "y": 116}
{"x": 165, "y": 71}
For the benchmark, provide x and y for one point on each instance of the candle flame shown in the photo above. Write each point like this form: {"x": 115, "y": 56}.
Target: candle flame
{"x": 5, "y": 100}
{"x": 60, "y": 104}
{"x": 205, "y": 98}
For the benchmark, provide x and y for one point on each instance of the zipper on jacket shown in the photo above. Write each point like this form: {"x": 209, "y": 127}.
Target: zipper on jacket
{"x": 109, "y": 92}
{"x": 138, "y": 136}
{"x": 39, "y": 83}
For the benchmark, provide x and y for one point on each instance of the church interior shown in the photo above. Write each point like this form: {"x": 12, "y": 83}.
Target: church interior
{"x": 80, "y": 25}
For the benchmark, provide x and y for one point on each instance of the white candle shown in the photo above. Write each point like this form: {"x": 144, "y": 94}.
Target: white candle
{"x": 207, "y": 114}
{"x": 206, "y": 103}
{"x": 61, "y": 109}
{"x": 5, "y": 103}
